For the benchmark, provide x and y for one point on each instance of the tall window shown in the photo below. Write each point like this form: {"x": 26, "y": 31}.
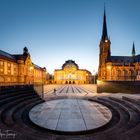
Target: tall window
{"x": 119, "y": 74}
{"x": 9, "y": 68}
{"x": 1, "y": 67}
{"x": 125, "y": 74}
{"x": 15, "y": 70}
{"x": 113, "y": 74}
{"x": 132, "y": 74}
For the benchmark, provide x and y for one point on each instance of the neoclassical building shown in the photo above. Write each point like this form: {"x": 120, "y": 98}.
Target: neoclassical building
{"x": 71, "y": 74}
{"x": 116, "y": 67}
{"x": 19, "y": 69}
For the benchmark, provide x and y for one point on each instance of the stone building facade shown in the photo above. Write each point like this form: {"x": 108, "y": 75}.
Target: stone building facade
{"x": 18, "y": 69}
{"x": 71, "y": 74}
{"x": 116, "y": 68}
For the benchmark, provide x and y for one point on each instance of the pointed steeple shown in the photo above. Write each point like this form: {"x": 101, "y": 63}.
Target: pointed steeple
{"x": 104, "y": 32}
{"x": 133, "y": 50}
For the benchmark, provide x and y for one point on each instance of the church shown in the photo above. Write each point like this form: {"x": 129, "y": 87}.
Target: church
{"x": 71, "y": 74}
{"x": 116, "y": 68}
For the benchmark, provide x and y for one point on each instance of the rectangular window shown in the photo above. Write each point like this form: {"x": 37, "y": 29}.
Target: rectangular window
{"x": 1, "y": 67}
{"x": 15, "y": 69}
{"x": 9, "y": 68}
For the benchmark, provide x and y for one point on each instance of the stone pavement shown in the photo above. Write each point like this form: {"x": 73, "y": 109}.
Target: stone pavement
{"x": 69, "y": 91}
{"x": 83, "y": 91}
{"x": 70, "y": 115}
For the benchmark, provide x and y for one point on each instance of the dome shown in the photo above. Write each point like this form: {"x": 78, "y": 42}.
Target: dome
{"x": 70, "y": 64}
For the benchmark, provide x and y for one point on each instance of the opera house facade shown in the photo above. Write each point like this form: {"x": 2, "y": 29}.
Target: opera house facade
{"x": 71, "y": 74}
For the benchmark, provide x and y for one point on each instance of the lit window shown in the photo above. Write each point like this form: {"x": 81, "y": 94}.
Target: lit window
{"x": 9, "y": 65}
{"x": 1, "y": 63}
{"x": 1, "y": 67}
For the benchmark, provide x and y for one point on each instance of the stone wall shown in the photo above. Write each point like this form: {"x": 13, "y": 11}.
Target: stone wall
{"x": 39, "y": 89}
{"x": 118, "y": 86}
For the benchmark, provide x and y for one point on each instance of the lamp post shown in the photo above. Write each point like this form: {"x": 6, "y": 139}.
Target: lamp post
{"x": 94, "y": 76}
{"x": 42, "y": 85}
{"x": 31, "y": 68}
{"x": 44, "y": 72}
{"x": 87, "y": 78}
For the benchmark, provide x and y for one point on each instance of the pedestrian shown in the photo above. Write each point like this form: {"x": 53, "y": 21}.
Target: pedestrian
{"x": 54, "y": 91}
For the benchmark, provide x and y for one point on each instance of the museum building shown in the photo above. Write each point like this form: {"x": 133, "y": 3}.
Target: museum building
{"x": 18, "y": 69}
{"x": 116, "y": 68}
{"x": 71, "y": 74}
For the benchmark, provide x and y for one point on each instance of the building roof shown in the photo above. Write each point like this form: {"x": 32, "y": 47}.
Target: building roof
{"x": 70, "y": 62}
{"x": 137, "y": 58}
{"x": 12, "y": 57}
{"x": 7, "y": 56}
{"x": 124, "y": 59}
{"x": 38, "y": 67}
{"x": 20, "y": 56}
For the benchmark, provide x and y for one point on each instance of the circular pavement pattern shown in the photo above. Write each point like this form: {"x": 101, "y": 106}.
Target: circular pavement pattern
{"x": 70, "y": 115}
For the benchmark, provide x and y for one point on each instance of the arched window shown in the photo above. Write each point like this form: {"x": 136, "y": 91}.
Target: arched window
{"x": 113, "y": 74}
{"x": 133, "y": 75}
{"x": 125, "y": 74}
{"x": 118, "y": 74}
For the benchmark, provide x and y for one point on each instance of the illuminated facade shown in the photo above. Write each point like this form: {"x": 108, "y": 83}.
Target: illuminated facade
{"x": 115, "y": 68}
{"x": 19, "y": 69}
{"x": 71, "y": 74}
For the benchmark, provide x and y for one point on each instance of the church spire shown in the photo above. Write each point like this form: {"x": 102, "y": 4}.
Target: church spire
{"x": 104, "y": 32}
{"x": 133, "y": 50}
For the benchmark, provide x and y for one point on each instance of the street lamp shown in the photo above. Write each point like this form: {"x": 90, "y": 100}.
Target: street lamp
{"x": 94, "y": 77}
{"x": 42, "y": 84}
{"x": 87, "y": 78}
{"x": 44, "y": 72}
{"x": 109, "y": 67}
{"x": 31, "y": 68}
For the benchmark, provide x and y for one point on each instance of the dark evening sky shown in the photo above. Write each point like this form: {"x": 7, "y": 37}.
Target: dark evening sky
{"x": 57, "y": 30}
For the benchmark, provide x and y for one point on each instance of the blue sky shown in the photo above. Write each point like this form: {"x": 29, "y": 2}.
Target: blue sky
{"x": 57, "y": 30}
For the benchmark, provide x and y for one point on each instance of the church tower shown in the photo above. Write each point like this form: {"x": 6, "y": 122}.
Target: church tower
{"x": 104, "y": 51}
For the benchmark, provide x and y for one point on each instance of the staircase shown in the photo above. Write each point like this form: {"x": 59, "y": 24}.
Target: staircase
{"x": 16, "y": 102}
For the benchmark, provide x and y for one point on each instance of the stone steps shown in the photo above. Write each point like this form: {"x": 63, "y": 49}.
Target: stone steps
{"x": 127, "y": 127}
{"x": 16, "y": 104}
